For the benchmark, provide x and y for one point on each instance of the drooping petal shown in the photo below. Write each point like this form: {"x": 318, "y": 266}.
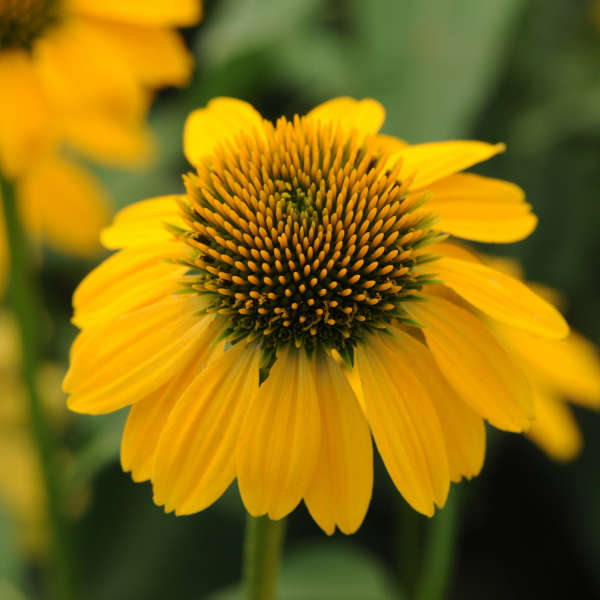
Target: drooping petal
{"x": 554, "y": 430}
{"x": 340, "y": 490}
{"x": 25, "y": 126}
{"x": 219, "y": 121}
{"x": 195, "y": 458}
{"x": 108, "y": 139}
{"x": 83, "y": 74}
{"x": 480, "y": 208}
{"x": 65, "y": 205}
{"x": 156, "y": 56}
{"x": 433, "y": 161}
{"x": 143, "y": 223}
{"x": 148, "y": 417}
{"x": 118, "y": 363}
{"x": 404, "y": 424}
{"x": 502, "y": 297}
{"x": 475, "y": 364}
{"x": 181, "y": 13}
{"x": 280, "y": 440}
{"x": 463, "y": 429}
{"x": 366, "y": 116}
{"x": 570, "y": 366}
{"x": 129, "y": 279}
{"x": 476, "y": 188}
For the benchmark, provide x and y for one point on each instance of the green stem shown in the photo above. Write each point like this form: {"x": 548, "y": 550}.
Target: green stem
{"x": 264, "y": 539}
{"x": 26, "y": 303}
{"x": 409, "y": 534}
{"x": 436, "y": 568}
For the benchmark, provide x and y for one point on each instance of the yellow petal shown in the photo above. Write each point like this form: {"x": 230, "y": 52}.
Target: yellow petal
{"x": 452, "y": 250}
{"x": 195, "y": 458}
{"x": 463, "y": 429}
{"x": 148, "y": 417}
{"x": 66, "y": 205}
{"x": 476, "y": 188}
{"x": 180, "y": 13}
{"x": 129, "y": 279}
{"x": 570, "y": 366}
{"x": 108, "y": 139}
{"x": 82, "y": 73}
{"x": 554, "y": 430}
{"x": 280, "y": 439}
{"x": 475, "y": 364}
{"x": 221, "y": 120}
{"x": 434, "y": 161}
{"x": 156, "y": 56}
{"x": 389, "y": 143}
{"x": 118, "y": 363}
{"x": 143, "y": 223}
{"x": 340, "y": 491}
{"x": 365, "y": 116}
{"x": 404, "y": 424}
{"x": 509, "y": 266}
{"x": 502, "y": 297}
{"x": 480, "y": 208}
{"x": 25, "y": 126}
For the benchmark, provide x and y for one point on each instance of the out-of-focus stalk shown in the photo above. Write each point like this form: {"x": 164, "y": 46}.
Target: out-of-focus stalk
{"x": 435, "y": 573}
{"x": 264, "y": 539}
{"x": 26, "y": 303}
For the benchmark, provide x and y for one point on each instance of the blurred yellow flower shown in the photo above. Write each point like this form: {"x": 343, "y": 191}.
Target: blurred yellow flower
{"x": 81, "y": 72}
{"x": 267, "y": 323}
{"x": 557, "y": 370}
{"x": 21, "y": 486}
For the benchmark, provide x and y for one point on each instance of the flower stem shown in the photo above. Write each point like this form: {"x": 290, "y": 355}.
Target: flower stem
{"x": 25, "y": 301}
{"x": 264, "y": 539}
{"x": 409, "y": 528}
{"x": 439, "y": 554}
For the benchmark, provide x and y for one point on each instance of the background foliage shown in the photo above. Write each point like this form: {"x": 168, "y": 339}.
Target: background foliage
{"x": 521, "y": 71}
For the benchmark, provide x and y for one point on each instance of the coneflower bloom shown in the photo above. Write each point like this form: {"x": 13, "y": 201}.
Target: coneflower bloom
{"x": 80, "y": 73}
{"x": 299, "y": 299}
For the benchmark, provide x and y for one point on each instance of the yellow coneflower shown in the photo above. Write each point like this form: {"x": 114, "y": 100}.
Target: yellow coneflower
{"x": 299, "y": 299}
{"x": 557, "y": 370}
{"x": 80, "y": 72}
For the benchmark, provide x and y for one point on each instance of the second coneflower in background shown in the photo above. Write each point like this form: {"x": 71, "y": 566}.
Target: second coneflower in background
{"x": 80, "y": 73}
{"x": 557, "y": 370}
{"x": 299, "y": 299}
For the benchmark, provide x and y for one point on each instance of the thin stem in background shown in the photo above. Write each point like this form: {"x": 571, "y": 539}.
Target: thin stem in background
{"x": 435, "y": 574}
{"x": 409, "y": 530}
{"x": 264, "y": 539}
{"x": 26, "y": 303}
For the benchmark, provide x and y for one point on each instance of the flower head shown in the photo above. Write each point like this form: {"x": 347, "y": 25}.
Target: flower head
{"x": 80, "y": 73}
{"x": 300, "y": 298}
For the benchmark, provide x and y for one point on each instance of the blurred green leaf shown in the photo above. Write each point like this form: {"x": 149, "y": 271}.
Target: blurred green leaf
{"x": 432, "y": 62}
{"x": 101, "y": 449}
{"x": 328, "y": 570}
{"x": 241, "y": 26}
{"x": 10, "y": 562}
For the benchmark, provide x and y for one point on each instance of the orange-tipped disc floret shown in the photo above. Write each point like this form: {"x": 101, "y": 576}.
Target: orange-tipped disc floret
{"x": 23, "y": 21}
{"x": 303, "y": 234}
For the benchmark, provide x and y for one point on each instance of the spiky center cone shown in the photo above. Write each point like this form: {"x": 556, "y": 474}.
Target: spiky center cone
{"x": 23, "y": 21}
{"x": 303, "y": 234}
